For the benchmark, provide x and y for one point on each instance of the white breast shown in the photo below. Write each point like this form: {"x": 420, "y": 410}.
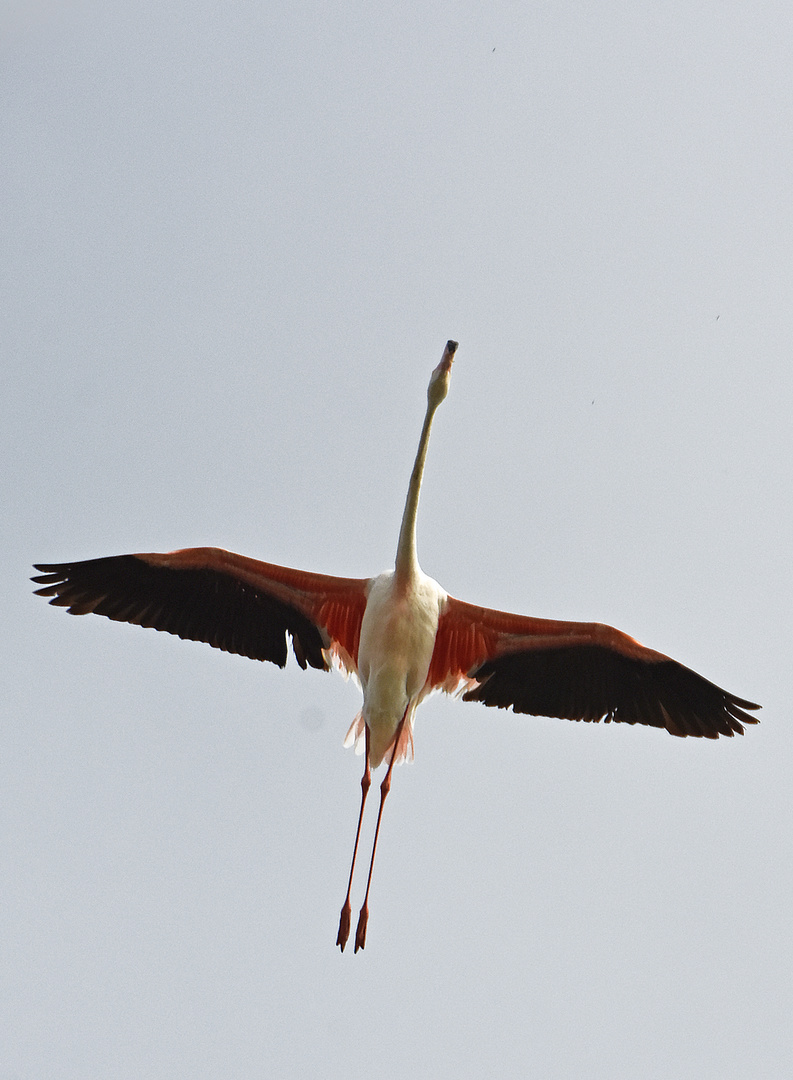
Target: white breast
{"x": 397, "y": 638}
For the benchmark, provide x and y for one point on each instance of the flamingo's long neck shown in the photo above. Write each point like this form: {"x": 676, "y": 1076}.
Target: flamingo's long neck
{"x": 406, "y": 568}
{"x": 407, "y": 562}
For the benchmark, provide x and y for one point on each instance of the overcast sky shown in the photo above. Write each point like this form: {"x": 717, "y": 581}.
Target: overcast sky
{"x": 235, "y": 240}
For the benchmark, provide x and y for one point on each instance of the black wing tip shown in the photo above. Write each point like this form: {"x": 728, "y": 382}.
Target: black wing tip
{"x": 60, "y": 572}
{"x": 735, "y": 715}
{"x": 55, "y": 575}
{"x": 49, "y": 572}
{"x": 740, "y": 704}
{"x": 231, "y": 617}
{"x": 682, "y": 702}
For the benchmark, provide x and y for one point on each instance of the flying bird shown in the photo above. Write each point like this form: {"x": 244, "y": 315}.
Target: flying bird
{"x": 402, "y": 636}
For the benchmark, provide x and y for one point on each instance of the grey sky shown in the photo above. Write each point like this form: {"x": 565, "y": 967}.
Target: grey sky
{"x": 235, "y": 241}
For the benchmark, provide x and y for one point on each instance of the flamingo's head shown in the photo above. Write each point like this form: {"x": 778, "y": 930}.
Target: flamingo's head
{"x": 441, "y": 376}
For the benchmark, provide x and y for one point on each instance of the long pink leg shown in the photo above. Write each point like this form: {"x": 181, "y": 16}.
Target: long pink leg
{"x": 385, "y": 787}
{"x": 346, "y": 911}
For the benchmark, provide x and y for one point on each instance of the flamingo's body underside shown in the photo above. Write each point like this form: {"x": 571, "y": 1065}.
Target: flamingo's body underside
{"x": 402, "y": 636}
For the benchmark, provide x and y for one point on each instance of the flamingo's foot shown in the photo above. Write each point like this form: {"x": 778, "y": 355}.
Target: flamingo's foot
{"x": 360, "y": 933}
{"x": 344, "y": 925}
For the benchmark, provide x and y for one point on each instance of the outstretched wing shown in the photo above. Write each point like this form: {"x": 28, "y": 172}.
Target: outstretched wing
{"x": 576, "y": 671}
{"x": 231, "y": 602}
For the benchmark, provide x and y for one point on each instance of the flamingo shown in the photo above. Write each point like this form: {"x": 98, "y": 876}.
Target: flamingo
{"x": 402, "y": 636}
